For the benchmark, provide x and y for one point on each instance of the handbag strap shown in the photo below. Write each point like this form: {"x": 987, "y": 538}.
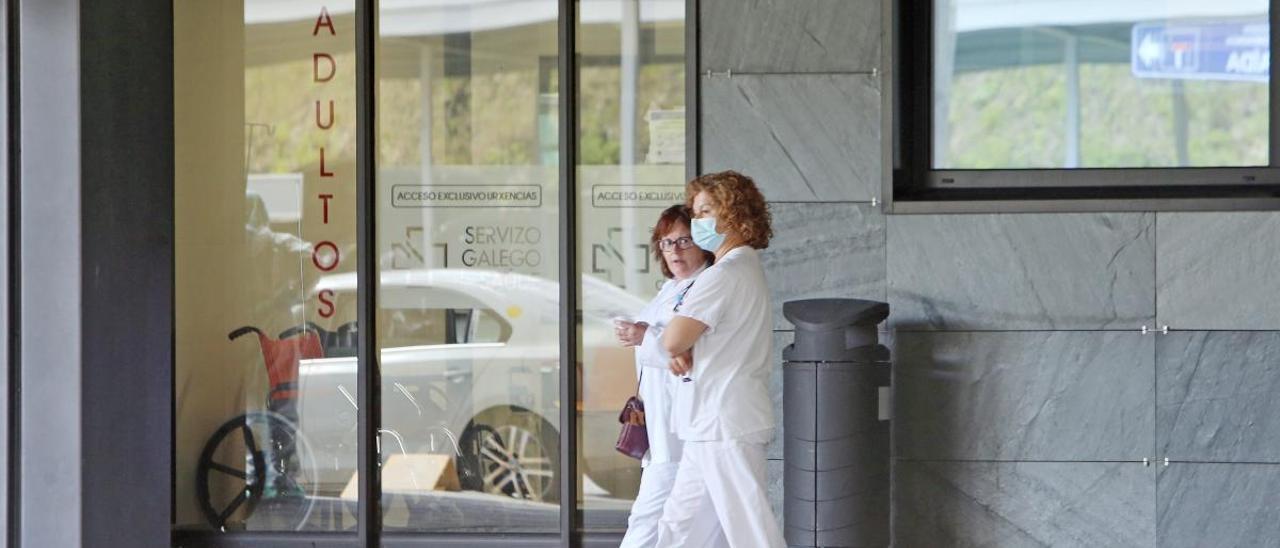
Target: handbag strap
{"x": 638, "y": 381}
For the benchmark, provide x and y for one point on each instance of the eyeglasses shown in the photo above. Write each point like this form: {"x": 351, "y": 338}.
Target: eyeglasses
{"x": 683, "y": 242}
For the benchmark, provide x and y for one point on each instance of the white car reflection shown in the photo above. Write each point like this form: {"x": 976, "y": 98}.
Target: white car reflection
{"x": 470, "y": 367}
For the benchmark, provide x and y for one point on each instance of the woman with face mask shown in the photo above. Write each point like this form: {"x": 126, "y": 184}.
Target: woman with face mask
{"x": 721, "y": 340}
{"x": 681, "y": 261}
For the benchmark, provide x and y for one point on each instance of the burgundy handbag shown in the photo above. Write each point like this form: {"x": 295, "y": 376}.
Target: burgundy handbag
{"x": 633, "y": 440}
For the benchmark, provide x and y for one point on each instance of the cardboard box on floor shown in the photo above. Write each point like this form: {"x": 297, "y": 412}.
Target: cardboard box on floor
{"x": 411, "y": 473}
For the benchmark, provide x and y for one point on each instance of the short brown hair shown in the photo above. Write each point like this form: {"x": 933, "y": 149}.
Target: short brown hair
{"x": 741, "y": 206}
{"x": 666, "y": 221}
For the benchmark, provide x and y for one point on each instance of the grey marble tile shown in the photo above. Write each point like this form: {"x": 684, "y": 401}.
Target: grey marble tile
{"x": 1216, "y": 395}
{"x": 1023, "y": 504}
{"x": 824, "y": 250}
{"x": 1009, "y": 272}
{"x": 790, "y": 35}
{"x": 1218, "y": 505}
{"x": 1043, "y": 395}
{"x": 775, "y": 471}
{"x": 801, "y": 137}
{"x": 1218, "y": 270}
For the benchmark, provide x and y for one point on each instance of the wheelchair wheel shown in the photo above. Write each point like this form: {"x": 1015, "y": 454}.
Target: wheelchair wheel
{"x": 257, "y": 465}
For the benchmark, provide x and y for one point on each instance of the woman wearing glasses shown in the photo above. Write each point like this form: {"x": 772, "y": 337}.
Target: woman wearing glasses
{"x": 681, "y": 261}
{"x": 723, "y": 415}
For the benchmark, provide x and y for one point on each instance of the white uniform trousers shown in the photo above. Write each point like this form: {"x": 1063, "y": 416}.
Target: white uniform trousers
{"x": 655, "y": 488}
{"x": 722, "y": 481}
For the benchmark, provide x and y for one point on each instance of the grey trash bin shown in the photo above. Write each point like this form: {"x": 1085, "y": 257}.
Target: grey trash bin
{"x": 836, "y": 427}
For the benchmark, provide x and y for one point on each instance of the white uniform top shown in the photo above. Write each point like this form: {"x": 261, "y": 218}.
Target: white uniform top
{"x": 657, "y": 384}
{"x": 728, "y": 396}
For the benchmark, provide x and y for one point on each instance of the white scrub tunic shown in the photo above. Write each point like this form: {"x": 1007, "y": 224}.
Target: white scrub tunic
{"x": 657, "y": 390}
{"x": 657, "y": 384}
{"x": 724, "y": 414}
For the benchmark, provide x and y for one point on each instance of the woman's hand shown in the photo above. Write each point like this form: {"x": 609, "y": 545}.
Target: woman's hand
{"x": 682, "y": 364}
{"x": 629, "y": 333}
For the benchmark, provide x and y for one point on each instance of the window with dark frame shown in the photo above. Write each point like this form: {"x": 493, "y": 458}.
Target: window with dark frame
{"x": 1079, "y": 105}
{"x": 578, "y": 97}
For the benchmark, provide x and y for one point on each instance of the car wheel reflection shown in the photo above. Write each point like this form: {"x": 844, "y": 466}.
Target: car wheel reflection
{"x": 475, "y": 353}
{"x": 518, "y": 457}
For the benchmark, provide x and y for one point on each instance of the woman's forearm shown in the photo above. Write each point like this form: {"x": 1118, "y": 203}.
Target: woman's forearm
{"x": 680, "y": 334}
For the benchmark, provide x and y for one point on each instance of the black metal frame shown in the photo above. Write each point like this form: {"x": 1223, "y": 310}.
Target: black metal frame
{"x": 13, "y": 417}
{"x": 195, "y": 539}
{"x": 912, "y": 185}
{"x": 567, "y": 24}
{"x": 368, "y": 384}
{"x": 692, "y": 90}
{"x": 115, "y": 54}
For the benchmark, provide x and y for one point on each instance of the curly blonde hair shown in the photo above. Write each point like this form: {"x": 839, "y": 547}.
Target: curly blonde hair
{"x": 740, "y": 205}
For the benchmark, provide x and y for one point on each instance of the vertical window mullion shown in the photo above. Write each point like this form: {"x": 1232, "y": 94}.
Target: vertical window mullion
{"x": 1273, "y": 128}
{"x": 568, "y": 271}
{"x": 12, "y": 405}
{"x": 692, "y": 91}
{"x": 369, "y": 390}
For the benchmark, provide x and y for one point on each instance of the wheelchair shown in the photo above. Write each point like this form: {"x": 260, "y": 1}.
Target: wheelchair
{"x": 277, "y": 465}
{"x": 261, "y": 465}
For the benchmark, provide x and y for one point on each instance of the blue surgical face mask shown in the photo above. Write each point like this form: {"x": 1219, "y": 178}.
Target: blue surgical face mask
{"x": 704, "y": 234}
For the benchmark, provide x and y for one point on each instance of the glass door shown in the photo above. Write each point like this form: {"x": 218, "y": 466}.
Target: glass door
{"x": 467, "y": 226}
{"x": 631, "y": 167}
{"x": 486, "y": 407}
{"x": 265, "y": 369}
